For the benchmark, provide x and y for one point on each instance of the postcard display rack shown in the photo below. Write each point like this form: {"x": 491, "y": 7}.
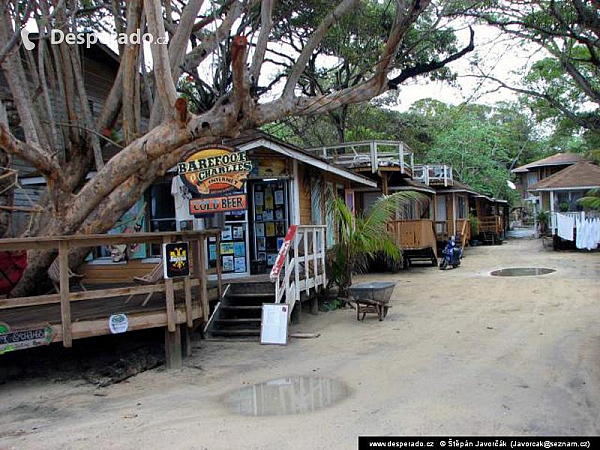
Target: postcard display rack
{"x": 234, "y": 258}
{"x": 270, "y": 219}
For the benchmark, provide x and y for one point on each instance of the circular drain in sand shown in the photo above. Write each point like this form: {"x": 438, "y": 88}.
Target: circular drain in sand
{"x": 285, "y": 396}
{"x": 521, "y": 272}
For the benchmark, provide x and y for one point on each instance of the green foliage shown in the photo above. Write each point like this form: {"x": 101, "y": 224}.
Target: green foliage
{"x": 362, "y": 237}
{"x": 474, "y": 224}
{"x": 591, "y": 200}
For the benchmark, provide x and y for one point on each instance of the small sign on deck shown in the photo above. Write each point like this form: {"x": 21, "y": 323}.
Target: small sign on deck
{"x": 118, "y": 323}
{"x": 176, "y": 260}
{"x": 11, "y": 340}
{"x": 274, "y": 324}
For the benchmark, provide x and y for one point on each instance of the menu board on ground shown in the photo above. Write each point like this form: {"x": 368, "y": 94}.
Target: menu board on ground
{"x": 274, "y": 324}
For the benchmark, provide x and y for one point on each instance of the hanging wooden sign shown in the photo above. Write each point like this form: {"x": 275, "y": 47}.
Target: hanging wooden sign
{"x": 215, "y": 169}
{"x": 210, "y": 205}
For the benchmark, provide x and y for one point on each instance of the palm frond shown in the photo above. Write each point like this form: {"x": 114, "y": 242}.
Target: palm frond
{"x": 591, "y": 200}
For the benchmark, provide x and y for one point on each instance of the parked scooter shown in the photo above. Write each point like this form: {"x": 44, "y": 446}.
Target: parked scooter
{"x": 451, "y": 255}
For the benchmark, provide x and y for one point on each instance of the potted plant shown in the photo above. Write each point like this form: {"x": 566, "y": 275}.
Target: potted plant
{"x": 542, "y": 218}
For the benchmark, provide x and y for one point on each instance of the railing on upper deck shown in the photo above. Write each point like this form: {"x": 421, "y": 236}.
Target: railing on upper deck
{"x": 433, "y": 174}
{"x": 373, "y": 154}
{"x": 300, "y": 264}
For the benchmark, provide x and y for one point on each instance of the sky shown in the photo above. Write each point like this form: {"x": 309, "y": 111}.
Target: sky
{"x": 493, "y": 54}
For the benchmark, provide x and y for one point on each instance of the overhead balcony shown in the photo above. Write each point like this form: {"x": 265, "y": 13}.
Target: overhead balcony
{"x": 370, "y": 156}
{"x": 433, "y": 174}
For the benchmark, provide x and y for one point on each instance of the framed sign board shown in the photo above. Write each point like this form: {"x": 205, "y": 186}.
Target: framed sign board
{"x": 176, "y": 261}
{"x": 274, "y": 323}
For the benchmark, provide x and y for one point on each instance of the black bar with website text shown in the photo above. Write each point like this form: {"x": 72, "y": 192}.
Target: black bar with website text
{"x": 460, "y": 442}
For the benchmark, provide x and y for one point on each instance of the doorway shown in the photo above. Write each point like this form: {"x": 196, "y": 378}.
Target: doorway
{"x": 269, "y": 219}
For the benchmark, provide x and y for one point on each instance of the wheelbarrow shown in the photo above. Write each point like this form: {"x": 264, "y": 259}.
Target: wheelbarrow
{"x": 372, "y": 298}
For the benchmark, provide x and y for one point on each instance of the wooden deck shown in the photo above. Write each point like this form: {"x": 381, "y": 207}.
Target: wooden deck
{"x": 414, "y": 234}
{"x": 76, "y": 315}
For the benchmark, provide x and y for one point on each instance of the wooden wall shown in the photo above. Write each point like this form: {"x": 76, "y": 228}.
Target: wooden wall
{"x": 305, "y": 197}
{"x": 450, "y": 214}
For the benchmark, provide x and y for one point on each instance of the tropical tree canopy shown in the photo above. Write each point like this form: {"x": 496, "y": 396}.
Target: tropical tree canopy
{"x": 228, "y": 66}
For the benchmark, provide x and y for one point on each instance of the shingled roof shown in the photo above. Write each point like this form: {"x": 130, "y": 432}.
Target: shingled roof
{"x": 583, "y": 175}
{"x": 560, "y": 159}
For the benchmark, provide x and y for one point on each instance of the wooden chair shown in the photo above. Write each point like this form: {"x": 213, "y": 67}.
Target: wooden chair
{"x": 54, "y": 275}
{"x": 155, "y": 276}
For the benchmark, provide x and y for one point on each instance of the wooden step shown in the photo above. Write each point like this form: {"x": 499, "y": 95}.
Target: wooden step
{"x": 245, "y": 332}
{"x": 242, "y": 307}
{"x": 236, "y": 321}
{"x": 251, "y": 295}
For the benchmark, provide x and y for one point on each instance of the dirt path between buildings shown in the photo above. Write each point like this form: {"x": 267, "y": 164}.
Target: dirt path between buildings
{"x": 460, "y": 353}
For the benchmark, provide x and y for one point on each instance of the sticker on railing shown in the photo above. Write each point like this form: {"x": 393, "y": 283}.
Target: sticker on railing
{"x": 118, "y": 323}
{"x": 285, "y": 247}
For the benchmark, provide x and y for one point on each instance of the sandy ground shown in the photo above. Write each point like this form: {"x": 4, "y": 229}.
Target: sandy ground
{"x": 459, "y": 353}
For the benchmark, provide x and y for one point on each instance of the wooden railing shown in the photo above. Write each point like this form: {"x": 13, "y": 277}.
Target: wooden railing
{"x": 65, "y": 330}
{"x": 464, "y": 227}
{"x": 413, "y": 234}
{"x": 300, "y": 264}
{"x": 491, "y": 224}
{"x": 373, "y": 154}
{"x": 437, "y": 174}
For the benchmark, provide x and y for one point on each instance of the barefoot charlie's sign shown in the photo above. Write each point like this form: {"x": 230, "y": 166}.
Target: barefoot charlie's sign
{"x": 215, "y": 175}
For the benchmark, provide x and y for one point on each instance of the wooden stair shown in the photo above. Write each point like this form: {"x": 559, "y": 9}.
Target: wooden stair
{"x": 238, "y": 315}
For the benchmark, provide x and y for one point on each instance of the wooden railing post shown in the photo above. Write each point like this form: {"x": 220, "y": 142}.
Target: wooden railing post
{"x": 65, "y": 300}
{"x": 296, "y": 293}
{"x": 219, "y": 270}
{"x": 323, "y": 257}
{"x": 202, "y": 275}
{"x": 306, "y": 262}
{"x": 314, "y": 255}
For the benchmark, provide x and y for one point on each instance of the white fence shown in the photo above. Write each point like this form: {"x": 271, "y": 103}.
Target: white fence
{"x": 300, "y": 264}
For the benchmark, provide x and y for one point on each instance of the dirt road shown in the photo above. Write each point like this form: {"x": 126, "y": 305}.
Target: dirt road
{"x": 460, "y": 352}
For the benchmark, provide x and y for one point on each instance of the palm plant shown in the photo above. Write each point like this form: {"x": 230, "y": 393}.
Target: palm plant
{"x": 362, "y": 237}
{"x": 591, "y": 200}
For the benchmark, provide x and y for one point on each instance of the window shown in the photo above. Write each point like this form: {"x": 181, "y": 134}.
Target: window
{"x": 462, "y": 208}
{"x": 532, "y": 178}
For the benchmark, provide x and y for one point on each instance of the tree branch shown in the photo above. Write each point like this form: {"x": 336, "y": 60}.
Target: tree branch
{"x": 343, "y": 8}
{"x": 420, "y": 69}
{"x": 266, "y": 23}
{"x": 160, "y": 57}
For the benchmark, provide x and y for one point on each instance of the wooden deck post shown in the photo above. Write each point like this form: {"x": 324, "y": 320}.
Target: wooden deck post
{"x": 65, "y": 301}
{"x": 173, "y": 355}
{"x": 203, "y": 279}
{"x": 186, "y": 342}
{"x": 219, "y": 271}
{"x": 187, "y": 289}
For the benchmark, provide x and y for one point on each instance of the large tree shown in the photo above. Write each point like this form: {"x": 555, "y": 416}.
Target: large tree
{"x": 62, "y": 140}
{"x": 564, "y": 84}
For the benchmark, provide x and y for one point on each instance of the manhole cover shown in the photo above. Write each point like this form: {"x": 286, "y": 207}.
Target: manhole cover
{"x": 285, "y": 396}
{"x": 521, "y": 272}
